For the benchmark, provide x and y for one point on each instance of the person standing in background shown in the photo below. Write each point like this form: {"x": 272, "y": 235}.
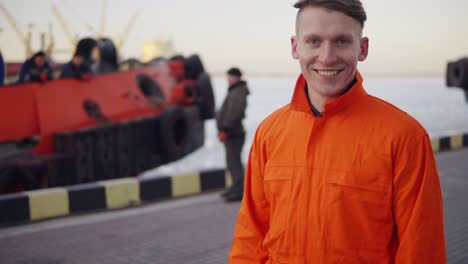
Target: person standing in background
{"x": 231, "y": 131}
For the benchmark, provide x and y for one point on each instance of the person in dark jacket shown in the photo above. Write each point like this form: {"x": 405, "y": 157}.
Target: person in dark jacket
{"x": 2, "y": 70}
{"x": 231, "y": 131}
{"x": 35, "y": 69}
{"x": 85, "y": 57}
{"x": 108, "y": 62}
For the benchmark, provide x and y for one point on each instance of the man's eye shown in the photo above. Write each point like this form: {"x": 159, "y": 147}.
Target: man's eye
{"x": 342, "y": 41}
{"x": 314, "y": 41}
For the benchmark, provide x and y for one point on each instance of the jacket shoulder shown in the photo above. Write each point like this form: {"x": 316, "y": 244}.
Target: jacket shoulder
{"x": 242, "y": 91}
{"x": 66, "y": 66}
{"x": 266, "y": 126}
{"x": 393, "y": 118}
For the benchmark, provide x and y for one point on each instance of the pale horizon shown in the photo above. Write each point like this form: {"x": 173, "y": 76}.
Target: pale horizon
{"x": 407, "y": 38}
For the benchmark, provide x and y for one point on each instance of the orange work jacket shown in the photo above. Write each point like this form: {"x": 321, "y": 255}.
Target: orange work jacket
{"x": 357, "y": 185}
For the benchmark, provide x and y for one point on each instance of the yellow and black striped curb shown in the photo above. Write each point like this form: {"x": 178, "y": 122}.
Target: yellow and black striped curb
{"x": 449, "y": 143}
{"x": 112, "y": 194}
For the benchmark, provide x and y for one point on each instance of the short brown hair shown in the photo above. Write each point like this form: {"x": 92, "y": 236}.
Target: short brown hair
{"x": 352, "y": 8}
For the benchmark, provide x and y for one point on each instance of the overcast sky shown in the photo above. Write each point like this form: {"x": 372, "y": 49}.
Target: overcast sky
{"x": 407, "y": 37}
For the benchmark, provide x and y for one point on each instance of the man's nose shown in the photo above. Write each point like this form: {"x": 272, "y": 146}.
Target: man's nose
{"x": 327, "y": 56}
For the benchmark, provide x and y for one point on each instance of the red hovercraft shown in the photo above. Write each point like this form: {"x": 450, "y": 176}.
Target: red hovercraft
{"x": 66, "y": 132}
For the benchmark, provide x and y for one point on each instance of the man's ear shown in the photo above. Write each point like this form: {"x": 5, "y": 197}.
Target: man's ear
{"x": 364, "y": 49}
{"x": 294, "y": 47}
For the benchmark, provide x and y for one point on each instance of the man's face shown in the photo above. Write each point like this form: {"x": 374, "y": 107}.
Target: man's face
{"x": 95, "y": 54}
{"x": 328, "y": 45}
{"x": 39, "y": 61}
{"x": 77, "y": 60}
{"x": 232, "y": 79}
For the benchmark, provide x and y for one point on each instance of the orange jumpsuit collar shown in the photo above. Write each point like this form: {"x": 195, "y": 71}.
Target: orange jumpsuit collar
{"x": 300, "y": 101}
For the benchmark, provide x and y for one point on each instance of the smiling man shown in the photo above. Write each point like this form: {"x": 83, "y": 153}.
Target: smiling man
{"x": 337, "y": 175}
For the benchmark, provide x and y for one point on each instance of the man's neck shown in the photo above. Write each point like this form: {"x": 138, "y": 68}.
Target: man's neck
{"x": 234, "y": 85}
{"x": 318, "y": 101}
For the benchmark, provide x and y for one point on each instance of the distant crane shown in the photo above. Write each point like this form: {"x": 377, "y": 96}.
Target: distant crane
{"x": 79, "y": 16}
{"x": 121, "y": 41}
{"x": 103, "y": 19}
{"x": 25, "y": 39}
{"x": 73, "y": 39}
{"x": 50, "y": 49}
{"x": 28, "y": 38}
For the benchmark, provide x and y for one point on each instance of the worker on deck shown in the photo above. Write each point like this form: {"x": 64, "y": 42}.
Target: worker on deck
{"x": 35, "y": 69}
{"x": 2, "y": 70}
{"x": 83, "y": 61}
{"x": 108, "y": 62}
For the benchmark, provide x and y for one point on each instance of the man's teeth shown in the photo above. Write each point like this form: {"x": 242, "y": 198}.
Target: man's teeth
{"x": 328, "y": 73}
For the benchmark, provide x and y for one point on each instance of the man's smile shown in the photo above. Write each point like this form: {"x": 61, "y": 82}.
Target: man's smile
{"x": 327, "y": 72}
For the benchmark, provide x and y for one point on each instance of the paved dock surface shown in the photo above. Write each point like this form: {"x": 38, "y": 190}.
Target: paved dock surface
{"x": 195, "y": 230}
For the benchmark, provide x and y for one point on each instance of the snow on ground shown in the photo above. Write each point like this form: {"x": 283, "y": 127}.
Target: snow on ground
{"x": 441, "y": 110}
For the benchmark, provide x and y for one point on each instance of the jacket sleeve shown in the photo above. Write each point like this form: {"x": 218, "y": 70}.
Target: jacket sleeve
{"x": 50, "y": 74}
{"x": 23, "y": 74}
{"x": 417, "y": 204}
{"x": 253, "y": 218}
{"x": 234, "y": 110}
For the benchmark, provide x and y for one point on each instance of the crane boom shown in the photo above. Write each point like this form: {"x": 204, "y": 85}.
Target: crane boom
{"x": 127, "y": 30}
{"x": 25, "y": 39}
{"x": 103, "y": 19}
{"x": 63, "y": 25}
{"x": 80, "y": 17}
{"x": 50, "y": 48}
{"x": 12, "y": 23}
